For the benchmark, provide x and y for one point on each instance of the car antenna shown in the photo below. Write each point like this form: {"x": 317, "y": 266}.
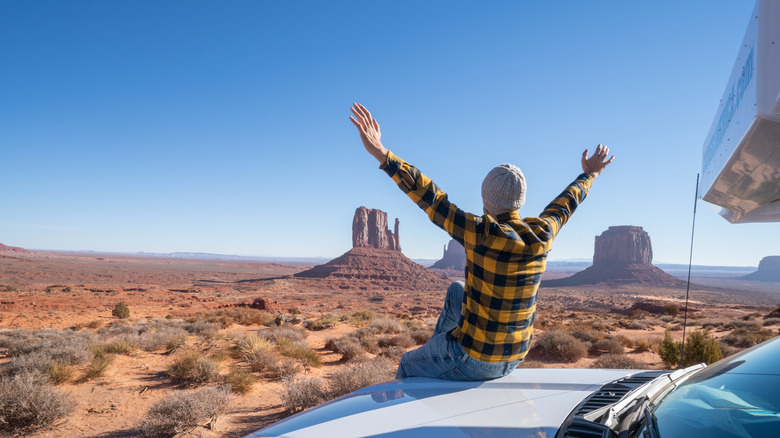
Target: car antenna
{"x": 690, "y": 261}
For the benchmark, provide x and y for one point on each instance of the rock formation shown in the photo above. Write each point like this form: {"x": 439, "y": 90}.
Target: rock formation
{"x": 453, "y": 257}
{"x": 768, "y": 270}
{"x": 375, "y": 260}
{"x": 12, "y": 250}
{"x": 623, "y": 255}
{"x": 369, "y": 230}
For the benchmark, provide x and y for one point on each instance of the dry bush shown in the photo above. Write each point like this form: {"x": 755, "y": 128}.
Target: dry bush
{"x": 386, "y": 325}
{"x": 711, "y": 323}
{"x": 121, "y": 311}
{"x": 616, "y": 361}
{"x": 738, "y": 323}
{"x": 28, "y": 401}
{"x": 770, "y": 321}
{"x": 250, "y": 344}
{"x": 400, "y": 340}
{"x": 671, "y": 309}
{"x": 59, "y": 373}
{"x": 600, "y": 326}
{"x": 237, "y": 315}
{"x": 276, "y": 333}
{"x": 559, "y": 346}
{"x": 727, "y": 349}
{"x": 299, "y": 350}
{"x": 260, "y": 360}
{"x": 635, "y": 325}
{"x": 202, "y": 329}
{"x": 302, "y": 393}
{"x": 393, "y": 353}
{"x": 97, "y": 367}
{"x": 240, "y": 381}
{"x": 745, "y": 337}
{"x": 607, "y": 346}
{"x": 355, "y": 376}
{"x": 667, "y": 318}
{"x": 321, "y": 323}
{"x": 182, "y": 411}
{"x": 348, "y": 347}
{"x": 530, "y": 364}
{"x": 283, "y": 368}
{"x": 642, "y": 345}
{"x": 775, "y": 313}
{"x": 192, "y": 367}
{"x": 420, "y": 334}
{"x": 586, "y": 335}
{"x": 169, "y": 338}
{"x": 361, "y": 317}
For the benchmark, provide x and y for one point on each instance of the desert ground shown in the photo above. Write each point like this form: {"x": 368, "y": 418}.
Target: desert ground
{"x": 216, "y": 307}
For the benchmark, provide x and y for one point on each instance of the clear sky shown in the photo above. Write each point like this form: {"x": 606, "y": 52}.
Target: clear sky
{"x": 222, "y": 127}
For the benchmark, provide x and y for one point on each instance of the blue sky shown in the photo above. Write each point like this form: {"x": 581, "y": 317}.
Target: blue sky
{"x": 222, "y": 127}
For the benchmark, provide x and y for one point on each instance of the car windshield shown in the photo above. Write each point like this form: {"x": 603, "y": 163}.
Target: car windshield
{"x": 737, "y": 397}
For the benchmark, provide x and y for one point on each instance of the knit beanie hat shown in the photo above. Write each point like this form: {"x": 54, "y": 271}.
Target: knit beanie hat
{"x": 503, "y": 189}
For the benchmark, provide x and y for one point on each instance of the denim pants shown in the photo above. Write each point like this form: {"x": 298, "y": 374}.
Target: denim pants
{"x": 442, "y": 357}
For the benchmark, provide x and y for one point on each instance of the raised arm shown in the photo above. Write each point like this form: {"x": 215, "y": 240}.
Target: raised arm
{"x": 597, "y": 162}
{"x": 369, "y": 131}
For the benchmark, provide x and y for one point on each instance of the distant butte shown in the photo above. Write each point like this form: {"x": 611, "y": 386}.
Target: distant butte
{"x": 768, "y": 270}
{"x": 623, "y": 255}
{"x": 375, "y": 260}
{"x": 13, "y": 250}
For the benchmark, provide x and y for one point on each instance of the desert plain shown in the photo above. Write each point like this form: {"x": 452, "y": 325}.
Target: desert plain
{"x": 221, "y": 303}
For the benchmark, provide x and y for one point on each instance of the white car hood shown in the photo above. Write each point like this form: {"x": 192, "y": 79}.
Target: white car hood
{"x": 526, "y": 403}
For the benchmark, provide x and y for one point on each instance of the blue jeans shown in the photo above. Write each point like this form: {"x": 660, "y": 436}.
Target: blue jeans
{"x": 442, "y": 357}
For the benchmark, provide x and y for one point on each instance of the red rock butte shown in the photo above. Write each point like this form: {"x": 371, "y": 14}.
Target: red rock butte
{"x": 623, "y": 255}
{"x": 375, "y": 260}
{"x": 12, "y": 250}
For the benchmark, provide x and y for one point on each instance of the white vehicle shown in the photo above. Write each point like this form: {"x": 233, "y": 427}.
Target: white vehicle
{"x": 736, "y": 397}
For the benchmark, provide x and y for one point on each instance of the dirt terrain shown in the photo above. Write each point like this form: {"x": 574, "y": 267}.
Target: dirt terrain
{"x": 73, "y": 290}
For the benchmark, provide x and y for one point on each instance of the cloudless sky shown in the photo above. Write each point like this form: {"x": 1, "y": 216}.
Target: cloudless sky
{"x": 222, "y": 127}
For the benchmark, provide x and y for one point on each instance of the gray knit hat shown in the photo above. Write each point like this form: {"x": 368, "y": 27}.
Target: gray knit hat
{"x": 503, "y": 189}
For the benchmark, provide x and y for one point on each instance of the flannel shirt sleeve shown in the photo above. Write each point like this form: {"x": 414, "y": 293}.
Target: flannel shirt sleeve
{"x": 464, "y": 227}
{"x": 558, "y": 212}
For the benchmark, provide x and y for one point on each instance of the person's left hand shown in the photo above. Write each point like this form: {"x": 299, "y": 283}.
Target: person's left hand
{"x": 369, "y": 131}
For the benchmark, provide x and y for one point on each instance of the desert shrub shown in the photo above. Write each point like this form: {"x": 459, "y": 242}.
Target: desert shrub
{"x": 260, "y": 360}
{"x": 386, "y": 325}
{"x": 771, "y": 321}
{"x": 745, "y": 337}
{"x": 121, "y": 311}
{"x": 240, "y": 381}
{"x": 710, "y": 323}
{"x": 670, "y": 350}
{"x": 366, "y": 337}
{"x": 250, "y": 344}
{"x": 750, "y": 316}
{"x": 299, "y": 350}
{"x": 182, "y": 411}
{"x": 348, "y": 347}
{"x": 530, "y": 364}
{"x": 237, "y": 315}
{"x": 119, "y": 347}
{"x": 667, "y": 318}
{"x": 59, "y": 373}
{"x": 361, "y": 317}
{"x": 302, "y": 393}
{"x": 169, "y": 338}
{"x": 355, "y": 376}
{"x": 275, "y": 333}
{"x": 737, "y": 323}
{"x": 616, "y": 361}
{"x": 775, "y": 313}
{"x": 586, "y": 335}
{"x": 699, "y": 347}
{"x": 642, "y": 345}
{"x": 607, "y": 346}
{"x": 393, "y": 352}
{"x": 727, "y": 349}
{"x": 671, "y": 309}
{"x": 97, "y": 367}
{"x": 400, "y": 340}
{"x": 28, "y": 402}
{"x": 192, "y": 367}
{"x": 203, "y": 329}
{"x": 559, "y": 346}
{"x": 283, "y": 368}
{"x": 420, "y": 335}
{"x": 321, "y": 323}
{"x": 635, "y": 325}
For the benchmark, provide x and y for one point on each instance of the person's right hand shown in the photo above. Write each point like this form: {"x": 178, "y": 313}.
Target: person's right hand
{"x": 597, "y": 162}
{"x": 369, "y": 131}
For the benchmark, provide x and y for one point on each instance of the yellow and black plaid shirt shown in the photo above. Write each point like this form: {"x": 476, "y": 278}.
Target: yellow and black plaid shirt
{"x": 505, "y": 259}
